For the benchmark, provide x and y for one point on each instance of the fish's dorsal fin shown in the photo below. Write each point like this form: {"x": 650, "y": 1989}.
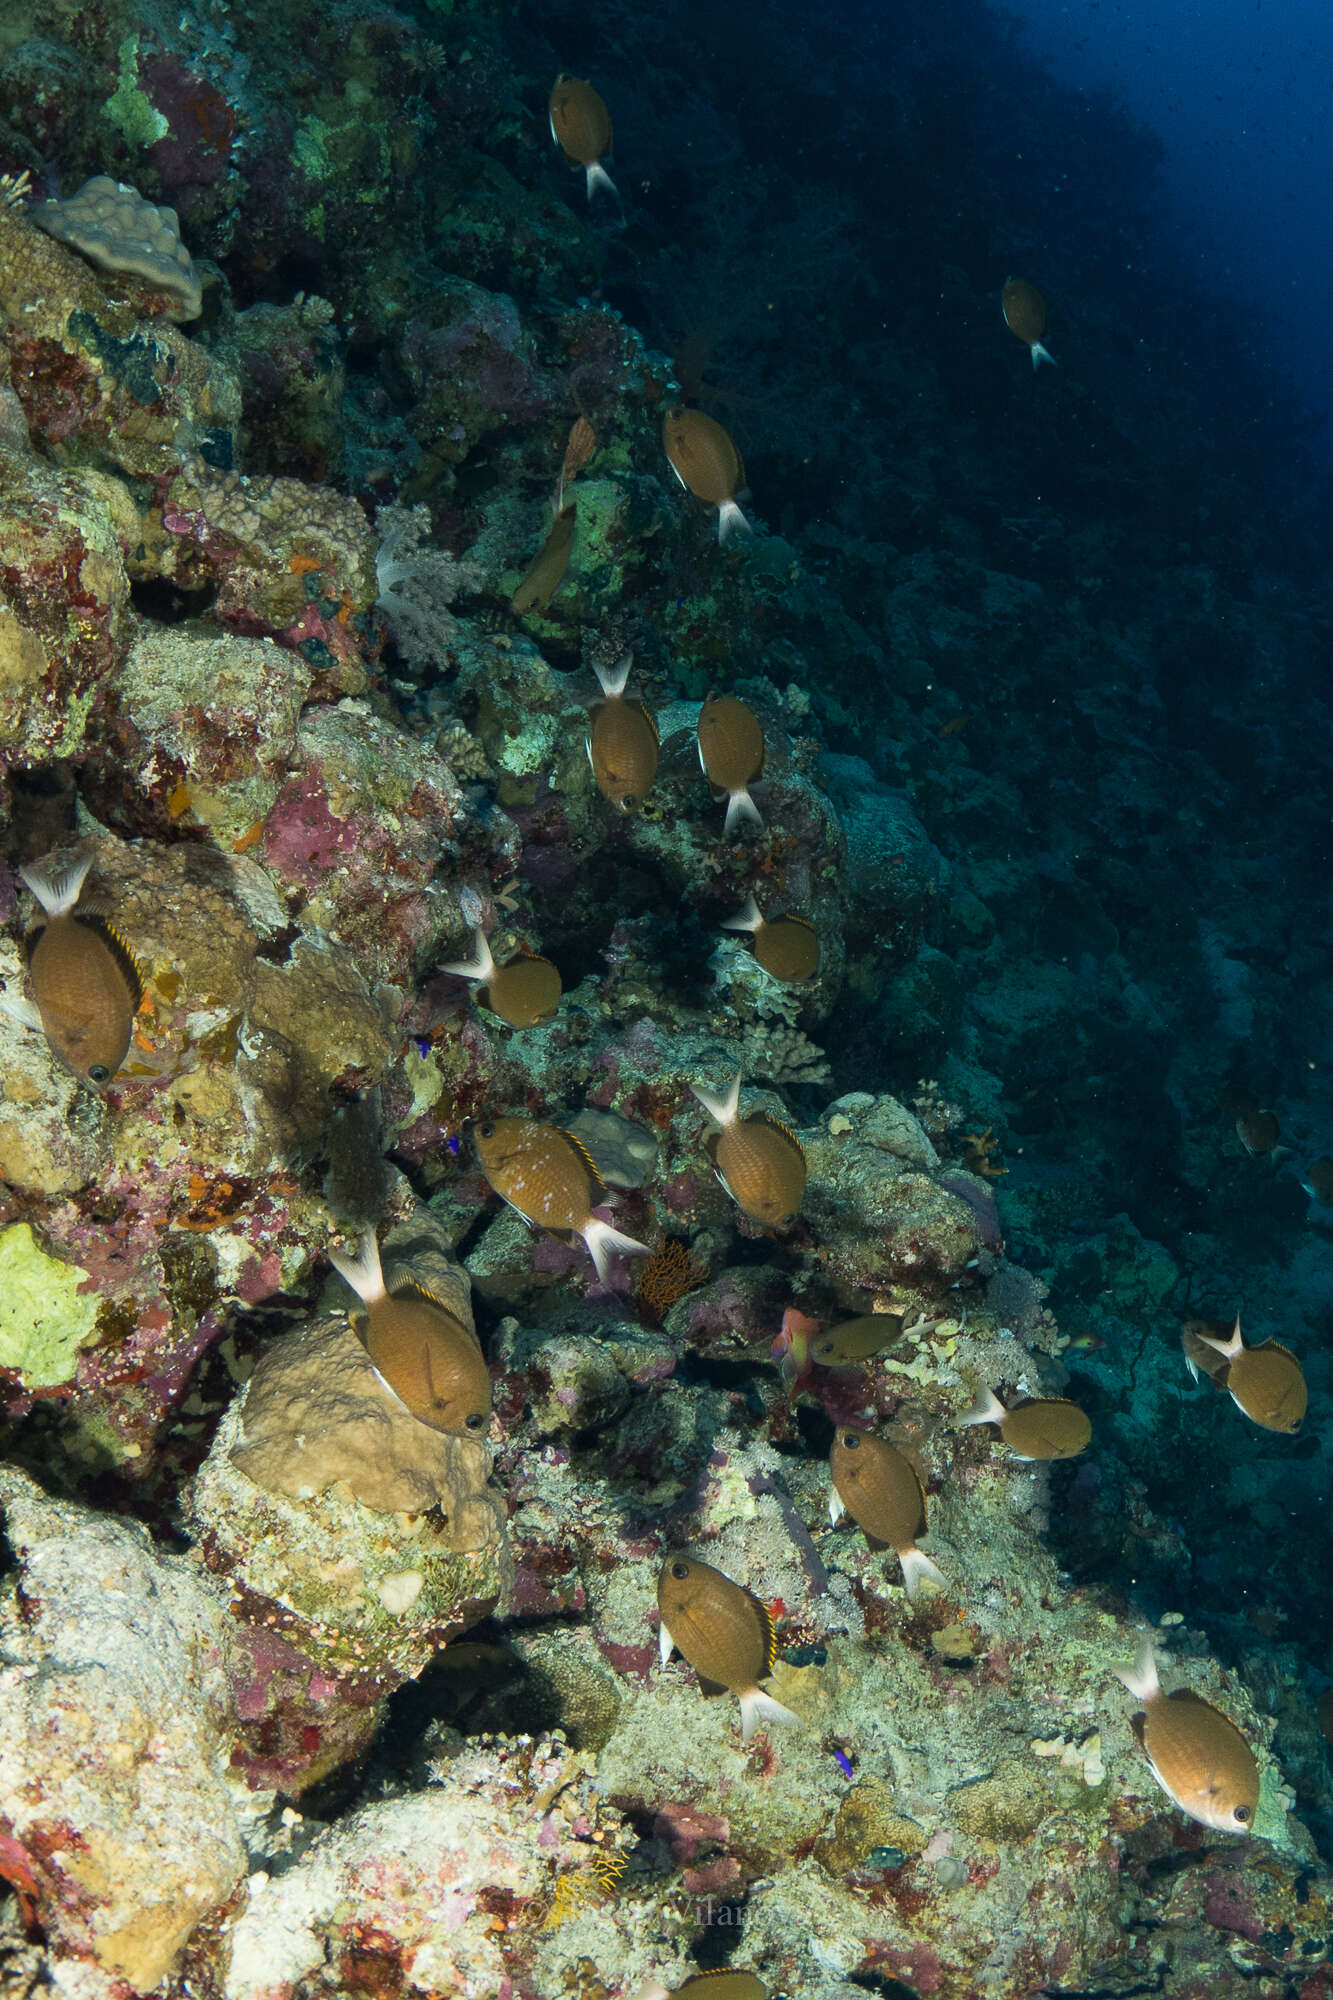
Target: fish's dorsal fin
{"x": 102, "y": 927}
{"x": 412, "y": 1288}
{"x": 598, "y": 1190}
{"x": 776, "y": 1125}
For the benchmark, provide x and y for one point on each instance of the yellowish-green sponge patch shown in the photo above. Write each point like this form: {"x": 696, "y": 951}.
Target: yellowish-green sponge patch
{"x": 44, "y": 1318}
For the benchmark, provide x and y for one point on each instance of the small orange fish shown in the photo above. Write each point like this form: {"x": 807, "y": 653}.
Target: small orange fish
{"x": 1266, "y": 1382}
{"x": 791, "y": 1349}
{"x": 954, "y": 726}
{"x": 880, "y": 1489}
{"x": 731, "y": 754}
{"x": 581, "y": 127}
{"x": 788, "y": 948}
{"x": 1197, "y": 1754}
{"x": 86, "y": 983}
{"x": 548, "y": 1176}
{"x": 522, "y": 992}
{"x": 1041, "y": 1427}
{"x": 1024, "y": 311}
{"x": 707, "y": 464}
{"x": 724, "y": 1632}
{"x": 621, "y": 741}
{"x": 422, "y": 1353}
{"x": 546, "y": 571}
{"x": 759, "y": 1162}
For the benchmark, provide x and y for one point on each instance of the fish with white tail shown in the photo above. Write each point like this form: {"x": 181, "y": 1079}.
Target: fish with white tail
{"x": 548, "y": 1176}
{"x": 724, "y": 1632}
{"x": 1037, "y": 1428}
{"x": 732, "y": 754}
{"x": 1197, "y": 1754}
{"x": 758, "y": 1161}
{"x": 522, "y": 992}
{"x": 621, "y": 741}
{"x": 880, "y": 1489}
{"x": 85, "y": 982}
{"x": 422, "y": 1352}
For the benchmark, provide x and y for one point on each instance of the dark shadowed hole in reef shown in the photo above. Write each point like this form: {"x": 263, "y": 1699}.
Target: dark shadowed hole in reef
{"x": 724, "y": 1925}
{"x": 881, "y": 1982}
{"x": 168, "y": 603}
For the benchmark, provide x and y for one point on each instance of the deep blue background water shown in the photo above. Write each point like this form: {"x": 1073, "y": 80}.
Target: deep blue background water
{"x": 1240, "y": 92}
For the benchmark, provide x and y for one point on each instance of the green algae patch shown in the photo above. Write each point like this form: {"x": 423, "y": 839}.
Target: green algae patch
{"x": 44, "y": 1318}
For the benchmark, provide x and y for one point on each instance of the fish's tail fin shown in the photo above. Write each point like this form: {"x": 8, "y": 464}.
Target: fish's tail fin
{"x": 724, "y": 1108}
{"x": 757, "y": 1707}
{"x": 919, "y": 1569}
{"x": 741, "y": 806}
{"x": 613, "y": 679}
{"x": 58, "y": 889}
{"x": 746, "y": 919}
{"x": 1040, "y": 354}
{"x": 1141, "y": 1679}
{"x": 985, "y": 1408}
{"x": 481, "y": 965}
{"x": 361, "y": 1270}
{"x": 604, "y": 1242}
{"x": 731, "y": 521}
{"x": 1229, "y": 1348}
{"x": 598, "y": 177}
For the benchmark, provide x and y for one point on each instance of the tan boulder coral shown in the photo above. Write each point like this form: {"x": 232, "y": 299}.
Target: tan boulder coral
{"x": 113, "y": 226}
{"x": 120, "y": 1823}
{"x": 367, "y": 1539}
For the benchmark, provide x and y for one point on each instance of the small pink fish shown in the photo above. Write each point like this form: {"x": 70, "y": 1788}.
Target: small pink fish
{"x": 791, "y": 1349}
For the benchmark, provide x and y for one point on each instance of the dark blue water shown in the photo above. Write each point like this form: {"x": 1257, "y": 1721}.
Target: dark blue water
{"x": 1240, "y": 96}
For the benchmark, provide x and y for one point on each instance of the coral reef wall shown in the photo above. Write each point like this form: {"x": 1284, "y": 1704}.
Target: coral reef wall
{"x": 344, "y": 577}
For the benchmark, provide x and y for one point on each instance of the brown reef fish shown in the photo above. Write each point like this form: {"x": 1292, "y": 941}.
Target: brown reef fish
{"x": 1041, "y": 1427}
{"x": 421, "y": 1351}
{"x": 581, "y": 127}
{"x": 546, "y": 572}
{"x": 731, "y": 754}
{"x": 622, "y": 741}
{"x": 1024, "y": 311}
{"x": 759, "y": 1162}
{"x": 85, "y": 982}
{"x": 787, "y": 948}
{"x": 726, "y": 1635}
{"x": 548, "y": 1176}
{"x": 1198, "y": 1756}
{"x": 1266, "y": 1382}
{"x": 707, "y": 464}
{"x": 855, "y": 1340}
{"x": 522, "y": 992}
{"x": 879, "y": 1488}
{"x": 732, "y": 1984}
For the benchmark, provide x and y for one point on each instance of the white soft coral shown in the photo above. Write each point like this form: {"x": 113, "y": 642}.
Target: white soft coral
{"x": 415, "y": 583}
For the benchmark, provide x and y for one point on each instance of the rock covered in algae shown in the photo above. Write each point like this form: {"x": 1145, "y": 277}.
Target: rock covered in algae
{"x": 366, "y": 1538}
{"x": 119, "y": 1823}
{"x": 46, "y": 1315}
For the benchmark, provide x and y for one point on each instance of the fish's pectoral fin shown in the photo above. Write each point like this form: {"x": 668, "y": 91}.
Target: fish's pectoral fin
{"x": 665, "y": 1642}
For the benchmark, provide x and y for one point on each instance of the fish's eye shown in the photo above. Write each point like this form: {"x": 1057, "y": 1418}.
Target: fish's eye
{"x": 1242, "y": 1813}
{"x": 629, "y": 802}
{"x": 486, "y": 1131}
{"x": 851, "y": 1442}
{"x": 99, "y": 1073}
{"x": 680, "y": 1571}
{"x": 475, "y": 1420}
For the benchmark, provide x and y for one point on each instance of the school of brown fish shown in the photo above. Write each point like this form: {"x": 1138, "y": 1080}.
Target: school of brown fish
{"x": 85, "y": 986}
